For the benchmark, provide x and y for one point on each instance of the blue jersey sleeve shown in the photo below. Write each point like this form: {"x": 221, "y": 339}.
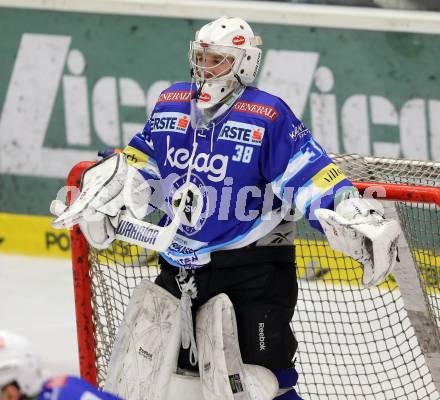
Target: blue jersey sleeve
{"x": 72, "y": 388}
{"x": 140, "y": 153}
{"x": 298, "y": 168}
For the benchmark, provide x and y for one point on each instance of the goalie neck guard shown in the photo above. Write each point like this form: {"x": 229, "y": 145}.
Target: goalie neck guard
{"x": 223, "y": 56}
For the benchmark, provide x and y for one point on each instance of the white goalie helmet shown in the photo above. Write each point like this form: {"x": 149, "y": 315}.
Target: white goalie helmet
{"x": 223, "y": 56}
{"x": 18, "y": 363}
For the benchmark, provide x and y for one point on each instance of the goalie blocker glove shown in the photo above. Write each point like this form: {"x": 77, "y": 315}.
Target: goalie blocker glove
{"x": 105, "y": 188}
{"x": 358, "y": 228}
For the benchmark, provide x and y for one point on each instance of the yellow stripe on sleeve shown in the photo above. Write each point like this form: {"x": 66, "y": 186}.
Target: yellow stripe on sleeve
{"x": 328, "y": 177}
{"x": 135, "y": 157}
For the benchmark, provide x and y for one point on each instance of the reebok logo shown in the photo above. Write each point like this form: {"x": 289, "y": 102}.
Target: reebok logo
{"x": 261, "y": 337}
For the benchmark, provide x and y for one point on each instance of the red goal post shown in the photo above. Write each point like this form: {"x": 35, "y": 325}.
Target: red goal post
{"x": 368, "y": 318}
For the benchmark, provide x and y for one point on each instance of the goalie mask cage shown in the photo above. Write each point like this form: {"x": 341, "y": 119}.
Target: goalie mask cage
{"x": 354, "y": 343}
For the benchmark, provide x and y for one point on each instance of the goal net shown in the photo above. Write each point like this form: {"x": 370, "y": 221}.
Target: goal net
{"x": 354, "y": 343}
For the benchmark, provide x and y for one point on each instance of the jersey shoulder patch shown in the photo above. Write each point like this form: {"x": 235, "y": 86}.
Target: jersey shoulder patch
{"x": 258, "y": 103}
{"x": 180, "y": 92}
{"x": 262, "y": 110}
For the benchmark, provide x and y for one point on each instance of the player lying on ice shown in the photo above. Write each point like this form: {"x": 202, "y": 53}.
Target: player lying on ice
{"x": 231, "y": 162}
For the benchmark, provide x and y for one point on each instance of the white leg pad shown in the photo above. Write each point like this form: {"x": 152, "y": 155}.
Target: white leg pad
{"x": 146, "y": 349}
{"x": 222, "y": 372}
{"x": 185, "y": 387}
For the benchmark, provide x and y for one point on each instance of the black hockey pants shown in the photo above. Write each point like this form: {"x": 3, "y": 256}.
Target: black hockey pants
{"x": 261, "y": 283}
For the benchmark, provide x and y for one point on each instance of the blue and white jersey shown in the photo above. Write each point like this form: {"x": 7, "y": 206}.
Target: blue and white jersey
{"x": 71, "y": 387}
{"x": 250, "y": 165}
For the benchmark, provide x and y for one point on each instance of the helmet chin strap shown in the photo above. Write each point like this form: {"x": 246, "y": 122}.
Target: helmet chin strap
{"x": 199, "y": 89}
{"x": 238, "y": 79}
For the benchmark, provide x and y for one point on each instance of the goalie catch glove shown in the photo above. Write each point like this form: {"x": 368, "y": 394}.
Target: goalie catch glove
{"x": 105, "y": 188}
{"x": 358, "y": 228}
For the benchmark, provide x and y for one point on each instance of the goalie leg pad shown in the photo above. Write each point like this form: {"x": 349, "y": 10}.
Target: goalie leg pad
{"x": 185, "y": 387}
{"x": 222, "y": 372}
{"x": 145, "y": 352}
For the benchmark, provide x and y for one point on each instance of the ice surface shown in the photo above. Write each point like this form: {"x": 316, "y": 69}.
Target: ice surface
{"x": 36, "y": 301}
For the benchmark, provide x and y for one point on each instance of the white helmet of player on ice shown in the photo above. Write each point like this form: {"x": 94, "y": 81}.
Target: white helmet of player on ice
{"x": 223, "y": 56}
{"x": 19, "y": 364}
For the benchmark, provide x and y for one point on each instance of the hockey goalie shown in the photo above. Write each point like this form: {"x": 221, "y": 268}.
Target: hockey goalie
{"x": 230, "y": 167}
